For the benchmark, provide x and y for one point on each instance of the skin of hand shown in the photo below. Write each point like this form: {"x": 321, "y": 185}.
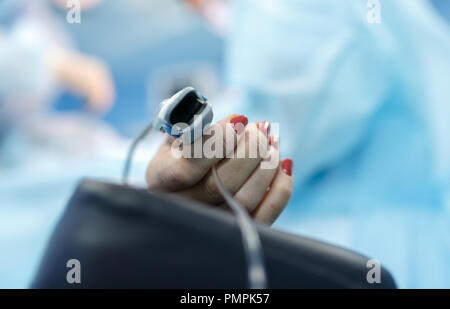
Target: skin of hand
{"x": 263, "y": 192}
{"x": 87, "y": 76}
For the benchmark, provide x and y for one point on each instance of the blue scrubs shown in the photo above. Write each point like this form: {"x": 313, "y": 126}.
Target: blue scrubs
{"x": 364, "y": 113}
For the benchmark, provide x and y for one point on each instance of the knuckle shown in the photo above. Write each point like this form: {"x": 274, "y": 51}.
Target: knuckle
{"x": 177, "y": 176}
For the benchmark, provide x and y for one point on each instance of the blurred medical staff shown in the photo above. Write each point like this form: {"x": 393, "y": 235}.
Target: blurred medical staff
{"x": 43, "y": 154}
{"x": 364, "y": 111}
{"x": 36, "y": 61}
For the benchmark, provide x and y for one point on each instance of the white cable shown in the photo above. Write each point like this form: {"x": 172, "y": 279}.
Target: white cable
{"x": 256, "y": 270}
{"x": 131, "y": 150}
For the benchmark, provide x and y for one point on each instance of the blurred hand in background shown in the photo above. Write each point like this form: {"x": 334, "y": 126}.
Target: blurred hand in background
{"x": 86, "y": 76}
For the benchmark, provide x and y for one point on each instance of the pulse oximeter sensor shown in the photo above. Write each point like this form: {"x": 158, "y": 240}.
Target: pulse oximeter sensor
{"x": 185, "y": 113}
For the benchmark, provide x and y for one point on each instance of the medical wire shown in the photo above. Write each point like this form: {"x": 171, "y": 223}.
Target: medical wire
{"x": 256, "y": 271}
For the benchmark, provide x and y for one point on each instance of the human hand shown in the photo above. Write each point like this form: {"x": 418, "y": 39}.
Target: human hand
{"x": 258, "y": 182}
{"x": 86, "y": 76}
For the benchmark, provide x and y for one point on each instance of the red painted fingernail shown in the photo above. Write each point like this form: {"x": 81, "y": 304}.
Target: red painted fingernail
{"x": 286, "y": 166}
{"x": 239, "y": 122}
{"x": 264, "y": 127}
{"x": 274, "y": 141}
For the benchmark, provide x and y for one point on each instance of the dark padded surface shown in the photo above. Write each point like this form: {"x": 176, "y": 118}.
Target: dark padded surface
{"x": 129, "y": 238}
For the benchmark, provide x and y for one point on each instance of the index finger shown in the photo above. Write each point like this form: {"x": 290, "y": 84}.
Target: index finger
{"x": 171, "y": 171}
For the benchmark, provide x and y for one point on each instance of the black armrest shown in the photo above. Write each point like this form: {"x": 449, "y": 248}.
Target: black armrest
{"x": 129, "y": 238}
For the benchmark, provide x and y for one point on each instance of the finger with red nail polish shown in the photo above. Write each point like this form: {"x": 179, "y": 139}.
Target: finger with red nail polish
{"x": 286, "y": 166}
{"x": 278, "y": 196}
{"x": 239, "y": 123}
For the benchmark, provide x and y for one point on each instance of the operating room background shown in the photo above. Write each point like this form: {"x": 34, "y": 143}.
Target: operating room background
{"x": 156, "y": 47}
{"x": 152, "y": 48}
